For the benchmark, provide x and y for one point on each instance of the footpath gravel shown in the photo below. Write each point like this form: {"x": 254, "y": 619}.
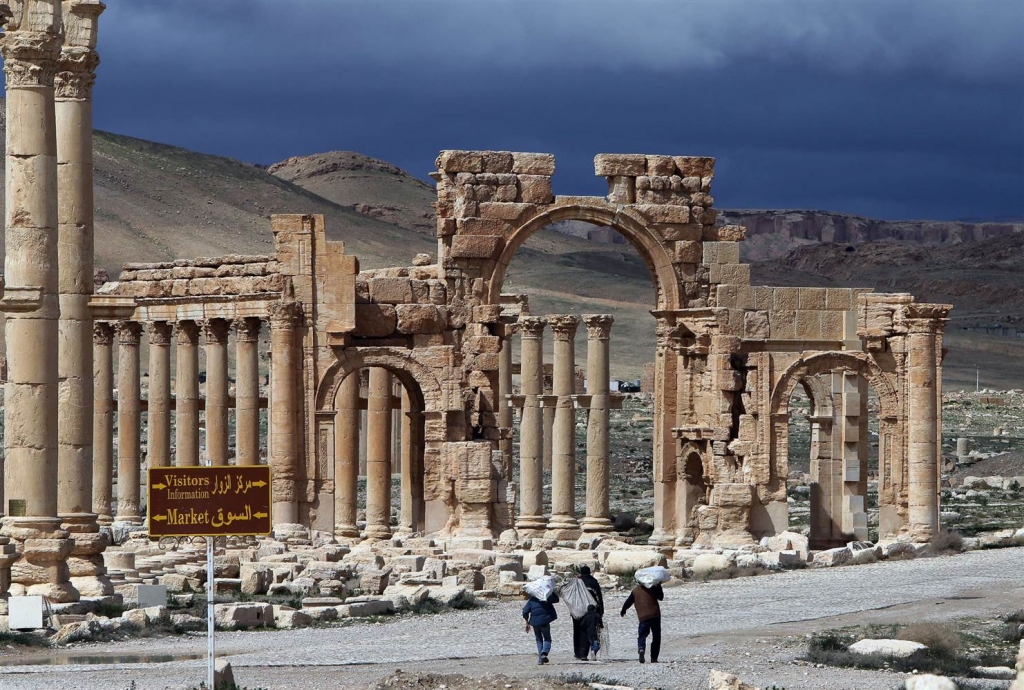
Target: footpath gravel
{"x": 754, "y": 627}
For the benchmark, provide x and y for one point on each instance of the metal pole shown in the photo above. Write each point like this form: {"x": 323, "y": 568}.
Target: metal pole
{"x": 209, "y": 613}
{"x": 977, "y": 379}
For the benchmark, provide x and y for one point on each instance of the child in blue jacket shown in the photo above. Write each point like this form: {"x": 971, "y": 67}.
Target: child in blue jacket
{"x": 539, "y": 614}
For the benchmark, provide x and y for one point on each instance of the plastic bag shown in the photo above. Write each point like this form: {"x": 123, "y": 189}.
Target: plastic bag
{"x": 576, "y": 597}
{"x": 541, "y": 589}
{"x": 655, "y": 575}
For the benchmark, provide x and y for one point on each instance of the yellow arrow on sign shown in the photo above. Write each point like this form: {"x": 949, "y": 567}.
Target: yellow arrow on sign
{"x": 159, "y": 486}
{"x": 260, "y": 483}
{"x": 259, "y": 515}
{"x": 159, "y": 518}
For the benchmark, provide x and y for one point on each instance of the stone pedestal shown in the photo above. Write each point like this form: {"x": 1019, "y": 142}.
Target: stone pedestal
{"x": 598, "y": 518}
{"x": 216, "y": 333}
{"x": 186, "y": 403}
{"x": 158, "y": 416}
{"x": 531, "y": 521}
{"x": 346, "y": 459}
{"x": 85, "y": 563}
{"x": 563, "y": 524}
{"x": 378, "y": 455}
{"x": 247, "y": 391}
{"x": 129, "y": 421}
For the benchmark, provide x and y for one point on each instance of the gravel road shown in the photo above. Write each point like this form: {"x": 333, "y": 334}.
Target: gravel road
{"x": 751, "y": 626}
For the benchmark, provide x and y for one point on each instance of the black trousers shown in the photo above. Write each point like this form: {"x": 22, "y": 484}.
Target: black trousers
{"x": 580, "y": 643}
{"x": 650, "y": 626}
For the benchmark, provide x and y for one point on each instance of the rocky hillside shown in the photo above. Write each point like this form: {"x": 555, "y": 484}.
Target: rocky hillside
{"x": 771, "y": 234}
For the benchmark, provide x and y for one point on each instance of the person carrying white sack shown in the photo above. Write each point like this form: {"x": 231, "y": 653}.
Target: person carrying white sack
{"x": 645, "y": 598}
{"x": 539, "y": 612}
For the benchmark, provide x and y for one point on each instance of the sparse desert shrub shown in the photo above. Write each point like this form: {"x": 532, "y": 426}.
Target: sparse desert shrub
{"x": 938, "y": 637}
{"x": 946, "y": 541}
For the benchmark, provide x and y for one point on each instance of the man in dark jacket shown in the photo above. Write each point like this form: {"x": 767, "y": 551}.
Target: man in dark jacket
{"x": 580, "y": 643}
{"x": 540, "y": 614}
{"x": 648, "y": 612}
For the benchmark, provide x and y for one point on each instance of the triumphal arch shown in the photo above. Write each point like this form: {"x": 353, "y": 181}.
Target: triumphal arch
{"x": 306, "y": 338}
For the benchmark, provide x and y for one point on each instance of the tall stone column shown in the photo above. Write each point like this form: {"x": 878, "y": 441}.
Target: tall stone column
{"x": 411, "y": 466}
{"x": 665, "y": 389}
{"x": 284, "y": 456}
{"x": 186, "y": 397}
{"x": 598, "y": 517}
{"x": 30, "y": 49}
{"x": 506, "y": 417}
{"x": 216, "y": 332}
{"x": 563, "y": 524}
{"x": 129, "y": 423}
{"x": 531, "y": 521}
{"x": 549, "y": 425}
{"x": 103, "y": 422}
{"x": 158, "y": 417}
{"x": 247, "y": 391}
{"x": 378, "y": 455}
{"x": 76, "y": 69}
{"x": 923, "y": 410}
{"x": 346, "y": 461}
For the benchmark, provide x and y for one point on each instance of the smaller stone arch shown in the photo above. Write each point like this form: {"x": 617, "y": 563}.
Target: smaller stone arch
{"x": 813, "y": 365}
{"x": 419, "y": 379}
{"x": 822, "y": 403}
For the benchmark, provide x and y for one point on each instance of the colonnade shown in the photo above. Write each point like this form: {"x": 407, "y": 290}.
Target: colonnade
{"x": 187, "y": 405}
{"x": 371, "y": 440}
{"x": 563, "y": 523}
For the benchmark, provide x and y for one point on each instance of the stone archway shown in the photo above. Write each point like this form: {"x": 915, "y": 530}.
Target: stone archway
{"x": 656, "y": 253}
{"x": 838, "y": 490}
{"x": 337, "y": 412}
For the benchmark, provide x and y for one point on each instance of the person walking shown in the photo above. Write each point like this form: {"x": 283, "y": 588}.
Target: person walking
{"x": 540, "y": 614}
{"x": 648, "y": 612}
{"x": 592, "y": 624}
{"x": 580, "y": 641}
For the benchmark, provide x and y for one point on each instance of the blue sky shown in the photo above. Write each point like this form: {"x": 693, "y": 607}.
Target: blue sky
{"x": 894, "y": 109}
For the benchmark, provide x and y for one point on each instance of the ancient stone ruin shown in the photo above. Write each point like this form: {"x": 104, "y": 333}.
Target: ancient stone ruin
{"x": 434, "y": 341}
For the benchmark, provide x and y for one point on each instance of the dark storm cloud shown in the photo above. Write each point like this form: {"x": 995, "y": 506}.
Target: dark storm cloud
{"x": 893, "y": 109}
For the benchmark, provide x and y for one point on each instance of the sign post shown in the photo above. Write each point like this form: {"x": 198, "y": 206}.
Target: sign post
{"x": 209, "y": 502}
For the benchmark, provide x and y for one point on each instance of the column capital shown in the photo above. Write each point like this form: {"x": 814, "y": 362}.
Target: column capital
{"x": 159, "y": 332}
{"x": 30, "y": 57}
{"x": 247, "y": 330}
{"x": 532, "y": 327}
{"x": 216, "y": 330}
{"x": 102, "y": 333}
{"x": 128, "y": 332}
{"x": 285, "y": 315}
{"x": 563, "y": 326}
{"x": 599, "y": 326}
{"x": 926, "y": 318}
{"x": 187, "y": 332}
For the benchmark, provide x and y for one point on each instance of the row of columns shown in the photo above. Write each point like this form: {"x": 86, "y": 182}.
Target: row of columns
{"x": 185, "y": 403}
{"x": 380, "y": 463}
{"x": 563, "y": 523}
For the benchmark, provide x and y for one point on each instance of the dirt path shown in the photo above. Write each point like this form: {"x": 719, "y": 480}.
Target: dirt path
{"x": 750, "y": 626}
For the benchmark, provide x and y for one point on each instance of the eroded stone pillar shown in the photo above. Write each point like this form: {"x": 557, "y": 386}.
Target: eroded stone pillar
{"x": 158, "y": 416}
{"x": 665, "y": 388}
{"x": 506, "y": 417}
{"x": 563, "y": 524}
{"x": 129, "y": 423}
{"x": 922, "y": 422}
{"x": 531, "y": 521}
{"x": 186, "y": 403}
{"x": 598, "y": 517}
{"x": 247, "y": 391}
{"x": 73, "y": 111}
{"x": 216, "y": 333}
{"x": 30, "y": 49}
{"x": 346, "y": 460}
{"x": 103, "y": 422}
{"x": 411, "y": 466}
{"x": 378, "y": 455}
{"x": 284, "y": 455}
